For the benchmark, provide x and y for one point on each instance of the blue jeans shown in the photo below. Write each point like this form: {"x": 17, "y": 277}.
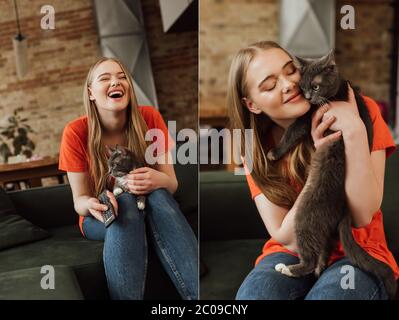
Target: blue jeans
{"x": 125, "y": 245}
{"x": 265, "y": 283}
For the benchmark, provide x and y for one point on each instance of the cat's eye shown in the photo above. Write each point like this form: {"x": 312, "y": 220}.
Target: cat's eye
{"x": 316, "y": 87}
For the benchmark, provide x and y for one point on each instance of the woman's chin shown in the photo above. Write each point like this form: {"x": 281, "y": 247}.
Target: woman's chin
{"x": 299, "y": 108}
{"x": 117, "y": 106}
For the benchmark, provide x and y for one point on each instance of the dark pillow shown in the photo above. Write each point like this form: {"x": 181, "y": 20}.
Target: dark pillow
{"x": 15, "y": 230}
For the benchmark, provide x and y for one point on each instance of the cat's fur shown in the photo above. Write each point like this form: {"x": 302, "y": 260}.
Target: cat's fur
{"x": 120, "y": 162}
{"x": 323, "y": 216}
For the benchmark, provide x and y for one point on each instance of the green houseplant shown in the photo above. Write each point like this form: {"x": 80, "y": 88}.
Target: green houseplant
{"x": 16, "y": 133}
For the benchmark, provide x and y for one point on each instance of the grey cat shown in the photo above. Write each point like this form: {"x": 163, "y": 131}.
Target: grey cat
{"x": 323, "y": 216}
{"x": 120, "y": 162}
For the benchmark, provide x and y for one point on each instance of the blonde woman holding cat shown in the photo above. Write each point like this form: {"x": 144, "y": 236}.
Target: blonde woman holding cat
{"x": 112, "y": 118}
{"x": 263, "y": 95}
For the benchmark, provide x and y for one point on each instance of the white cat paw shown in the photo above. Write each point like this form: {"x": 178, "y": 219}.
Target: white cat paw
{"x": 279, "y": 267}
{"x": 141, "y": 205}
{"x": 282, "y": 268}
{"x": 117, "y": 191}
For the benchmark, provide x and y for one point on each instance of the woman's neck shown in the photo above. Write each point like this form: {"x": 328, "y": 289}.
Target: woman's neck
{"x": 113, "y": 123}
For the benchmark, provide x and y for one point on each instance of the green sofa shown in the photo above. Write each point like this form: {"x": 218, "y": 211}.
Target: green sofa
{"x": 78, "y": 265}
{"x": 232, "y": 233}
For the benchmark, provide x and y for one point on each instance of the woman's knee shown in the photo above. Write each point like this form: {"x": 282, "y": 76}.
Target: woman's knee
{"x": 343, "y": 281}
{"x": 127, "y": 208}
{"x": 160, "y": 196}
{"x": 268, "y": 285}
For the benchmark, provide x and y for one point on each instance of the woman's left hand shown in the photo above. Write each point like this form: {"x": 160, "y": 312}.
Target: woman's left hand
{"x": 144, "y": 180}
{"x": 345, "y": 112}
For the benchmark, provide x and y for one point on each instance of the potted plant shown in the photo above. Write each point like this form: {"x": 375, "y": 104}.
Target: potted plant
{"x": 16, "y": 132}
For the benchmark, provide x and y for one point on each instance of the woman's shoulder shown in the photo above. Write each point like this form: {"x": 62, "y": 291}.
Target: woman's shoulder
{"x": 372, "y": 105}
{"x": 77, "y": 126}
{"x": 148, "y": 111}
{"x": 151, "y": 116}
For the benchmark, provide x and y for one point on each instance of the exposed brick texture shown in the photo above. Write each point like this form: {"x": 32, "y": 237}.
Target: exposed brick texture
{"x": 51, "y": 92}
{"x": 59, "y": 60}
{"x": 174, "y": 59}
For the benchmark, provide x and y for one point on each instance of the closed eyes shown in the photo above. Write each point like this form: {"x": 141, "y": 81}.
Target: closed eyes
{"x": 270, "y": 84}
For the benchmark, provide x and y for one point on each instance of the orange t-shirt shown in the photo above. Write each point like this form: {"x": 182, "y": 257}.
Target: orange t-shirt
{"x": 74, "y": 156}
{"x": 371, "y": 237}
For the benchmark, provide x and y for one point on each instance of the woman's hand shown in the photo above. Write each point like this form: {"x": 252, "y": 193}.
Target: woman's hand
{"x": 345, "y": 112}
{"x": 340, "y": 116}
{"x": 145, "y": 180}
{"x": 320, "y": 125}
{"x": 97, "y": 209}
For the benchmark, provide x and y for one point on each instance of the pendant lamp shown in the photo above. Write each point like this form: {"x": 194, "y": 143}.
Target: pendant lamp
{"x": 20, "y": 48}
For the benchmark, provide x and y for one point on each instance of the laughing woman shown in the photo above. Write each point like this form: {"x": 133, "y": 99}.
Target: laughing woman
{"x": 263, "y": 95}
{"x": 113, "y": 117}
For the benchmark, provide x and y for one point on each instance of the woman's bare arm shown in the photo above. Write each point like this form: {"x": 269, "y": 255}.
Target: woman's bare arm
{"x": 279, "y": 221}
{"x": 84, "y": 202}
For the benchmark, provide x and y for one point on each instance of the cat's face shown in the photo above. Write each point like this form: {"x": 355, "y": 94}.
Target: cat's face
{"x": 319, "y": 78}
{"x": 120, "y": 162}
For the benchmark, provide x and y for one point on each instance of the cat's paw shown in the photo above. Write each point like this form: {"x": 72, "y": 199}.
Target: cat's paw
{"x": 270, "y": 155}
{"x": 282, "y": 268}
{"x": 117, "y": 191}
{"x": 141, "y": 205}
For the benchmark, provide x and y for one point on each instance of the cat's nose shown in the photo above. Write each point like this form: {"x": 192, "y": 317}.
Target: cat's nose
{"x": 307, "y": 95}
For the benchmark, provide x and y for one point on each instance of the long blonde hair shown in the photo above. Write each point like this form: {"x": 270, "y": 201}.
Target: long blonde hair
{"x": 135, "y": 130}
{"x": 275, "y": 179}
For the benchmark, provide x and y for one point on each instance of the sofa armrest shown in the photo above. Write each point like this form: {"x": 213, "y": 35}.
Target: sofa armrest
{"x": 390, "y": 203}
{"x": 47, "y": 207}
{"x": 227, "y": 210}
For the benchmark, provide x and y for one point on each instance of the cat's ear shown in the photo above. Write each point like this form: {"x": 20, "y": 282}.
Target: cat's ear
{"x": 109, "y": 150}
{"x": 300, "y": 62}
{"x": 121, "y": 149}
{"x": 329, "y": 59}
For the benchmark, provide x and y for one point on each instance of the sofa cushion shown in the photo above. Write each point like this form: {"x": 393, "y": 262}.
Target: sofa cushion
{"x": 65, "y": 247}
{"x": 25, "y": 284}
{"x": 228, "y": 262}
{"x": 15, "y": 230}
{"x": 68, "y": 247}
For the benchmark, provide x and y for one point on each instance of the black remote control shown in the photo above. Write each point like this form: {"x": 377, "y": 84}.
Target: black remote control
{"x": 108, "y": 215}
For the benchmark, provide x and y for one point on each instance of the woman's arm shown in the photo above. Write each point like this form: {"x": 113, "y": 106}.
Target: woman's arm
{"x": 84, "y": 203}
{"x": 364, "y": 183}
{"x": 278, "y": 221}
{"x": 364, "y": 179}
{"x": 144, "y": 180}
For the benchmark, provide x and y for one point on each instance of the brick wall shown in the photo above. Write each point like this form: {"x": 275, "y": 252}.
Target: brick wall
{"x": 226, "y": 26}
{"x": 59, "y": 59}
{"x": 363, "y": 54}
{"x": 174, "y": 59}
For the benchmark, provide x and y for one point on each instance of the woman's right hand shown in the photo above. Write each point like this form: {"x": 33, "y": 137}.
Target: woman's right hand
{"x": 319, "y": 127}
{"x": 97, "y": 209}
